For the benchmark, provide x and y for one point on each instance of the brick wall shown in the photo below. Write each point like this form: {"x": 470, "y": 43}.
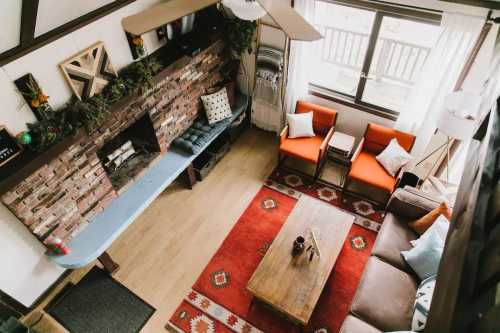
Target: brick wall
{"x": 60, "y": 198}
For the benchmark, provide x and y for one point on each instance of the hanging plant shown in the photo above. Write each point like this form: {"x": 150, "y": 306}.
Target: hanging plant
{"x": 56, "y": 125}
{"x": 239, "y": 36}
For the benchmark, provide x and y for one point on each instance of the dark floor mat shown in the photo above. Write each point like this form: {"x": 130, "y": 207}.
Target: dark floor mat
{"x": 99, "y": 303}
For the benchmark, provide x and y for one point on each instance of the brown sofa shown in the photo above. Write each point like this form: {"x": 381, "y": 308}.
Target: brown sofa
{"x": 386, "y": 293}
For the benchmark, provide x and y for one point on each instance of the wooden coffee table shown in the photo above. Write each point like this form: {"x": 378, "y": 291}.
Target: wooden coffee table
{"x": 292, "y": 285}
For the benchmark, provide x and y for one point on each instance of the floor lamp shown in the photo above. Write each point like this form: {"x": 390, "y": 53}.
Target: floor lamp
{"x": 454, "y": 125}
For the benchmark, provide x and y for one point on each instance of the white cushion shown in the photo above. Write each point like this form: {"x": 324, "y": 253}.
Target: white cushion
{"x": 394, "y": 157}
{"x": 440, "y": 227}
{"x": 425, "y": 257}
{"x": 300, "y": 125}
{"x": 217, "y": 106}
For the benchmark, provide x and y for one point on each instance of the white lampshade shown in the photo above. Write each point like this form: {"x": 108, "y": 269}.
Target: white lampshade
{"x": 463, "y": 103}
{"x": 456, "y": 127}
{"x": 245, "y": 9}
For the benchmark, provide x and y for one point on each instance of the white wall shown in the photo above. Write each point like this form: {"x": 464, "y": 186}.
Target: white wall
{"x": 25, "y": 272}
{"x": 350, "y": 120}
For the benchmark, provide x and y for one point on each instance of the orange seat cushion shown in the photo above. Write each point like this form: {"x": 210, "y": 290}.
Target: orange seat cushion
{"x": 366, "y": 169}
{"x": 306, "y": 149}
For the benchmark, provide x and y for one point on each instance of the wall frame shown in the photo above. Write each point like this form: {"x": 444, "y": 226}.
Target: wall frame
{"x": 28, "y": 43}
{"x": 88, "y": 71}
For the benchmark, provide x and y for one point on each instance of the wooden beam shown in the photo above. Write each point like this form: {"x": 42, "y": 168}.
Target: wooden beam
{"x": 476, "y": 3}
{"x": 61, "y": 31}
{"x": 28, "y": 21}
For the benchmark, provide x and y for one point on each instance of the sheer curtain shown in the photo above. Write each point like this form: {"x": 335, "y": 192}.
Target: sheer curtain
{"x": 484, "y": 79}
{"x": 299, "y": 60}
{"x": 439, "y": 76}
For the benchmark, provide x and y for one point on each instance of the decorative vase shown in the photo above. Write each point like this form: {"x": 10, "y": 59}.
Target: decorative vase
{"x": 298, "y": 246}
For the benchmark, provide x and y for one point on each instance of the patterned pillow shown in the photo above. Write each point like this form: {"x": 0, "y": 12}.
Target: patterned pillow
{"x": 423, "y": 303}
{"x": 217, "y": 106}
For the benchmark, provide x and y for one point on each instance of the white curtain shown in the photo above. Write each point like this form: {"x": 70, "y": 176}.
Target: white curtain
{"x": 438, "y": 78}
{"x": 299, "y": 60}
{"x": 484, "y": 79}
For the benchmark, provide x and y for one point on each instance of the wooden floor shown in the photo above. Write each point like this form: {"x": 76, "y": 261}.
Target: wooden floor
{"x": 167, "y": 247}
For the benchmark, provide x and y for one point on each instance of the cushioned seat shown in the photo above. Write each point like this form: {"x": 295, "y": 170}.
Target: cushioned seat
{"x": 368, "y": 170}
{"x": 385, "y": 297}
{"x": 304, "y": 148}
{"x": 394, "y": 237}
{"x": 311, "y": 150}
{"x": 354, "y": 325}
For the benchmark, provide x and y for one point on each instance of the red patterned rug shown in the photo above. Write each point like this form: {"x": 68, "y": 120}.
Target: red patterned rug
{"x": 367, "y": 214}
{"x": 219, "y": 301}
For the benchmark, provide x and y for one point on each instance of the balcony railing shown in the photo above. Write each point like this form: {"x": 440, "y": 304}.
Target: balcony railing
{"x": 393, "y": 59}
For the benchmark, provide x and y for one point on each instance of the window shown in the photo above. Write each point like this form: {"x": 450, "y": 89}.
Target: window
{"x": 369, "y": 57}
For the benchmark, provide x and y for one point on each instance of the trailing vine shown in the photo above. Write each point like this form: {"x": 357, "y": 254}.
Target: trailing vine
{"x": 239, "y": 36}
{"x": 136, "y": 78}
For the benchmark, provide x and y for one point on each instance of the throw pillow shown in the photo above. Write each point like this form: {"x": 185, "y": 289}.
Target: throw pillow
{"x": 425, "y": 222}
{"x": 393, "y": 157}
{"x": 440, "y": 226}
{"x": 423, "y": 303}
{"x": 425, "y": 257}
{"x": 300, "y": 125}
{"x": 217, "y": 106}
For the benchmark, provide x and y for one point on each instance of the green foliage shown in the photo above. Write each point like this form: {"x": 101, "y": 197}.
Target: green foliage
{"x": 136, "y": 78}
{"x": 239, "y": 36}
{"x": 115, "y": 90}
{"x": 90, "y": 112}
{"x": 53, "y": 129}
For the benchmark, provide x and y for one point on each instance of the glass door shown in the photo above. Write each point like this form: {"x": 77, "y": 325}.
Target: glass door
{"x": 401, "y": 48}
{"x": 340, "y": 55}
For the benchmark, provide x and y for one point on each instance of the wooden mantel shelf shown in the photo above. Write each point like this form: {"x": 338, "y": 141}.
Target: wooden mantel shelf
{"x": 162, "y": 14}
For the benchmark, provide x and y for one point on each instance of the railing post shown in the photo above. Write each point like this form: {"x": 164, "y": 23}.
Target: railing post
{"x": 383, "y": 59}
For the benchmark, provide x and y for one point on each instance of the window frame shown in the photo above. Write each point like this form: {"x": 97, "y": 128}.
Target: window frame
{"x": 381, "y": 10}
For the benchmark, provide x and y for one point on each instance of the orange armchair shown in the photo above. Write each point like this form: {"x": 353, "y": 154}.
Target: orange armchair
{"x": 312, "y": 150}
{"x": 365, "y": 168}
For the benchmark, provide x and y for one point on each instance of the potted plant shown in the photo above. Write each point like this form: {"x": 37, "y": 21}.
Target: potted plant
{"x": 239, "y": 35}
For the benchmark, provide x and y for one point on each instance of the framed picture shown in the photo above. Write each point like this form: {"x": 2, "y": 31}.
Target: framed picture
{"x": 9, "y": 148}
{"x": 34, "y": 96}
{"x": 89, "y": 71}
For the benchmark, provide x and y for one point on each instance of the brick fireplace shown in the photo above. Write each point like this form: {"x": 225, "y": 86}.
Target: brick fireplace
{"x": 130, "y": 152}
{"x": 59, "y": 193}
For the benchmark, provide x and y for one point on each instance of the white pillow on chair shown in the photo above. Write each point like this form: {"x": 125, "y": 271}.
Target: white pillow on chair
{"x": 394, "y": 157}
{"x": 300, "y": 125}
